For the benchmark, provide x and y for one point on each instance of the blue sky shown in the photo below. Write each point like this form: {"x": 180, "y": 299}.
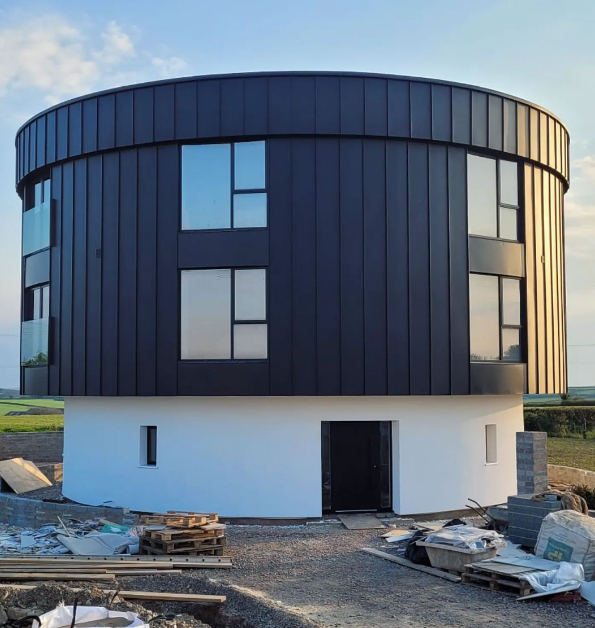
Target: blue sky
{"x": 539, "y": 50}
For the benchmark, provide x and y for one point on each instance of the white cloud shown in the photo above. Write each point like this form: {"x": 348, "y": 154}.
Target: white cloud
{"x": 50, "y": 55}
{"x": 117, "y": 45}
{"x": 47, "y": 54}
{"x": 583, "y": 169}
{"x": 168, "y": 67}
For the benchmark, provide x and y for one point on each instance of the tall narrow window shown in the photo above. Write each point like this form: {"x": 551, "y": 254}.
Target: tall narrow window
{"x": 495, "y": 318}
{"x": 492, "y": 197}
{"x": 491, "y": 444}
{"x": 36, "y": 217}
{"x": 224, "y": 186}
{"x": 223, "y": 314}
{"x": 148, "y": 445}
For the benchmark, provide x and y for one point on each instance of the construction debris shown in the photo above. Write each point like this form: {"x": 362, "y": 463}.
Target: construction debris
{"x": 20, "y": 601}
{"x": 187, "y": 533}
{"x": 21, "y": 476}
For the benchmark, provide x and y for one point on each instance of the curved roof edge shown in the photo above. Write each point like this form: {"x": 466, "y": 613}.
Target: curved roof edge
{"x": 206, "y": 77}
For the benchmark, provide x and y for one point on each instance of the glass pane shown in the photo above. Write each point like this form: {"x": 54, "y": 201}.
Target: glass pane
{"x": 206, "y": 187}
{"x": 37, "y": 194}
{"x": 250, "y": 210}
{"x": 37, "y": 303}
{"x": 206, "y": 315}
{"x": 508, "y": 223}
{"x": 511, "y": 347}
{"x": 36, "y": 228}
{"x": 45, "y": 302}
{"x": 46, "y": 190}
{"x": 34, "y": 342}
{"x": 250, "y": 295}
{"x": 509, "y": 192}
{"x": 249, "y": 166}
{"x": 484, "y": 317}
{"x": 511, "y": 302}
{"x": 482, "y": 203}
{"x": 250, "y": 342}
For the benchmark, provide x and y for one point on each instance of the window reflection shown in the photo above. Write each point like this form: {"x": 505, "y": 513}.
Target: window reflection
{"x": 484, "y": 317}
{"x": 208, "y": 188}
{"x": 482, "y": 202}
{"x": 249, "y": 166}
{"x": 213, "y": 302}
{"x": 206, "y": 177}
{"x": 495, "y": 318}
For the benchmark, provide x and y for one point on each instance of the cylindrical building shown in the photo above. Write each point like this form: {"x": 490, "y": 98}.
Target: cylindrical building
{"x": 280, "y": 294}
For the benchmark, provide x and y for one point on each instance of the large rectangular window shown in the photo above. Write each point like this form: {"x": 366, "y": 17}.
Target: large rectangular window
{"x": 224, "y": 186}
{"x": 495, "y": 318}
{"x": 223, "y": 314}
{"x": 492, "y": 197}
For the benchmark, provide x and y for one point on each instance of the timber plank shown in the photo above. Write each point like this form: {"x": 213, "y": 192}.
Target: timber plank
{"x": 407, "y": 563}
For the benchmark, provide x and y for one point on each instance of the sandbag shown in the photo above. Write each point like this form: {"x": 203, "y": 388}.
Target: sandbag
{"x": 567, "y": 535}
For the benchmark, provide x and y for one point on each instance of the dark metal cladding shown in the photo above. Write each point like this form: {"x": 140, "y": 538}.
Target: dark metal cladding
{"x": 367, "y": 247}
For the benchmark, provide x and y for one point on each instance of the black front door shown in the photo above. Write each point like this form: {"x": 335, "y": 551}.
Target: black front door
{"x": 355, "y": 465}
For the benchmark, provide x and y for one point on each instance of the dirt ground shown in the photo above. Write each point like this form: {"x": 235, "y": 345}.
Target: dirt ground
{"x": 318, "y": 574}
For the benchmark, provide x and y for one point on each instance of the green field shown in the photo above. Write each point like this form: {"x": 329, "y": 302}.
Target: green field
{"x": 572, "y": 452}
{"x": 22, "y": 405}
{"x": 583, "y": 392}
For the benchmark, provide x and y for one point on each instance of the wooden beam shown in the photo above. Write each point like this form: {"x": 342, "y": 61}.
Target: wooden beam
{"x": 55, "y": 576}
{"x": 178, "y": 562}
{"x": 407, "y": 563}
{"x": 142, "y": 595}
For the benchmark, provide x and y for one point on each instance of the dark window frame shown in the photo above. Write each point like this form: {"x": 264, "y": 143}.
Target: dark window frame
{"x": 232, "y": 189}
{"x": 499, "y": 204}
{"x": 149, "y": 453}
{"x": 29, "y": 302}
{"x": 233, "y": 320}
{"x": 501, "y": 325}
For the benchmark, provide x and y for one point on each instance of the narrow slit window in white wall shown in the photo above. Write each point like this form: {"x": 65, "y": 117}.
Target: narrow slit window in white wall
{"x": 148, "y": 446}
{"x": 491, "y": 444}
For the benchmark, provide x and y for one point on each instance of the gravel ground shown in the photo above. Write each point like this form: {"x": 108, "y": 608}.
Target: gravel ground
{"x": 317, "y": 574}
{"x": 53, "y": 492}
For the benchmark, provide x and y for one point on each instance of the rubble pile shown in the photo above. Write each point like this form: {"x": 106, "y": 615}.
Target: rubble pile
{"x": 15, "y": 540}
{"x": 17, "y": 604}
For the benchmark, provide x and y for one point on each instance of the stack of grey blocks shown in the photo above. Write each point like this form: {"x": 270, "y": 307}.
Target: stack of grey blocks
{"x": 525, "y": 515}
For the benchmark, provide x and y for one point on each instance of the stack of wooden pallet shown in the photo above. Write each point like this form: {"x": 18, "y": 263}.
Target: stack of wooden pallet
{"x": 183, "y": 533}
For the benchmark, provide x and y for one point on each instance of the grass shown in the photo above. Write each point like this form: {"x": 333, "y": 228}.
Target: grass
{"x": 22, "y": 405}
{"x": 32, "y": 423}
{"x": 572, "y": 452}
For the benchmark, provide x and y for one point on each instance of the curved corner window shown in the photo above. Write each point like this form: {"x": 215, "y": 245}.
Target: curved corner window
{"x": 37, "y": 218}
{"x": 495, "y": 318}
{"x": 34, "y": 342}
{"x": 492, "y": 197}
{"x": 224, "y": 186}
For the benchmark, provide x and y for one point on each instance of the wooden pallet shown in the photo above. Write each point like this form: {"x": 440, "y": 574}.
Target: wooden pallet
{"x": 181, "y": 534}
{"x": 210, "y": 546}
{"x": 180, "y": 519}
{"x": 497, "y": 578}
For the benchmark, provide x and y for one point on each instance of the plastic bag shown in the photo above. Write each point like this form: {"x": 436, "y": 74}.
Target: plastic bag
{"x": 550, "y": 581}
{"x": 467, "y": 537}
{"x": 62, "y": 616}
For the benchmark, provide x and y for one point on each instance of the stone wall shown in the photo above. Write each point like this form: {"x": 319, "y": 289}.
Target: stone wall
{"x": 32, "y": 513}
{"x": 34, "y": 446}
{"x": 570, "y": 475}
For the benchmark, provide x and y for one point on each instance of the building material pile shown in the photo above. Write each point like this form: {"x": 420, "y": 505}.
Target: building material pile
{"x": 79, "y": 568}
{"x": 182, "y": 533}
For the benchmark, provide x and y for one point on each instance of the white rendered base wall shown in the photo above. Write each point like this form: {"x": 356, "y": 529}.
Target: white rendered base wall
{"x": 261, "y": 457}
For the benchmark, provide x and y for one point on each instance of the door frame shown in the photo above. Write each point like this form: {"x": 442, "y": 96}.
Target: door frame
{"x": 386, "y": 463}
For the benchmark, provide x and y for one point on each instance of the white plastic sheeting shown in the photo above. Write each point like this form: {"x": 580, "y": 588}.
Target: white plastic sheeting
{"x": 63, "y": 615}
